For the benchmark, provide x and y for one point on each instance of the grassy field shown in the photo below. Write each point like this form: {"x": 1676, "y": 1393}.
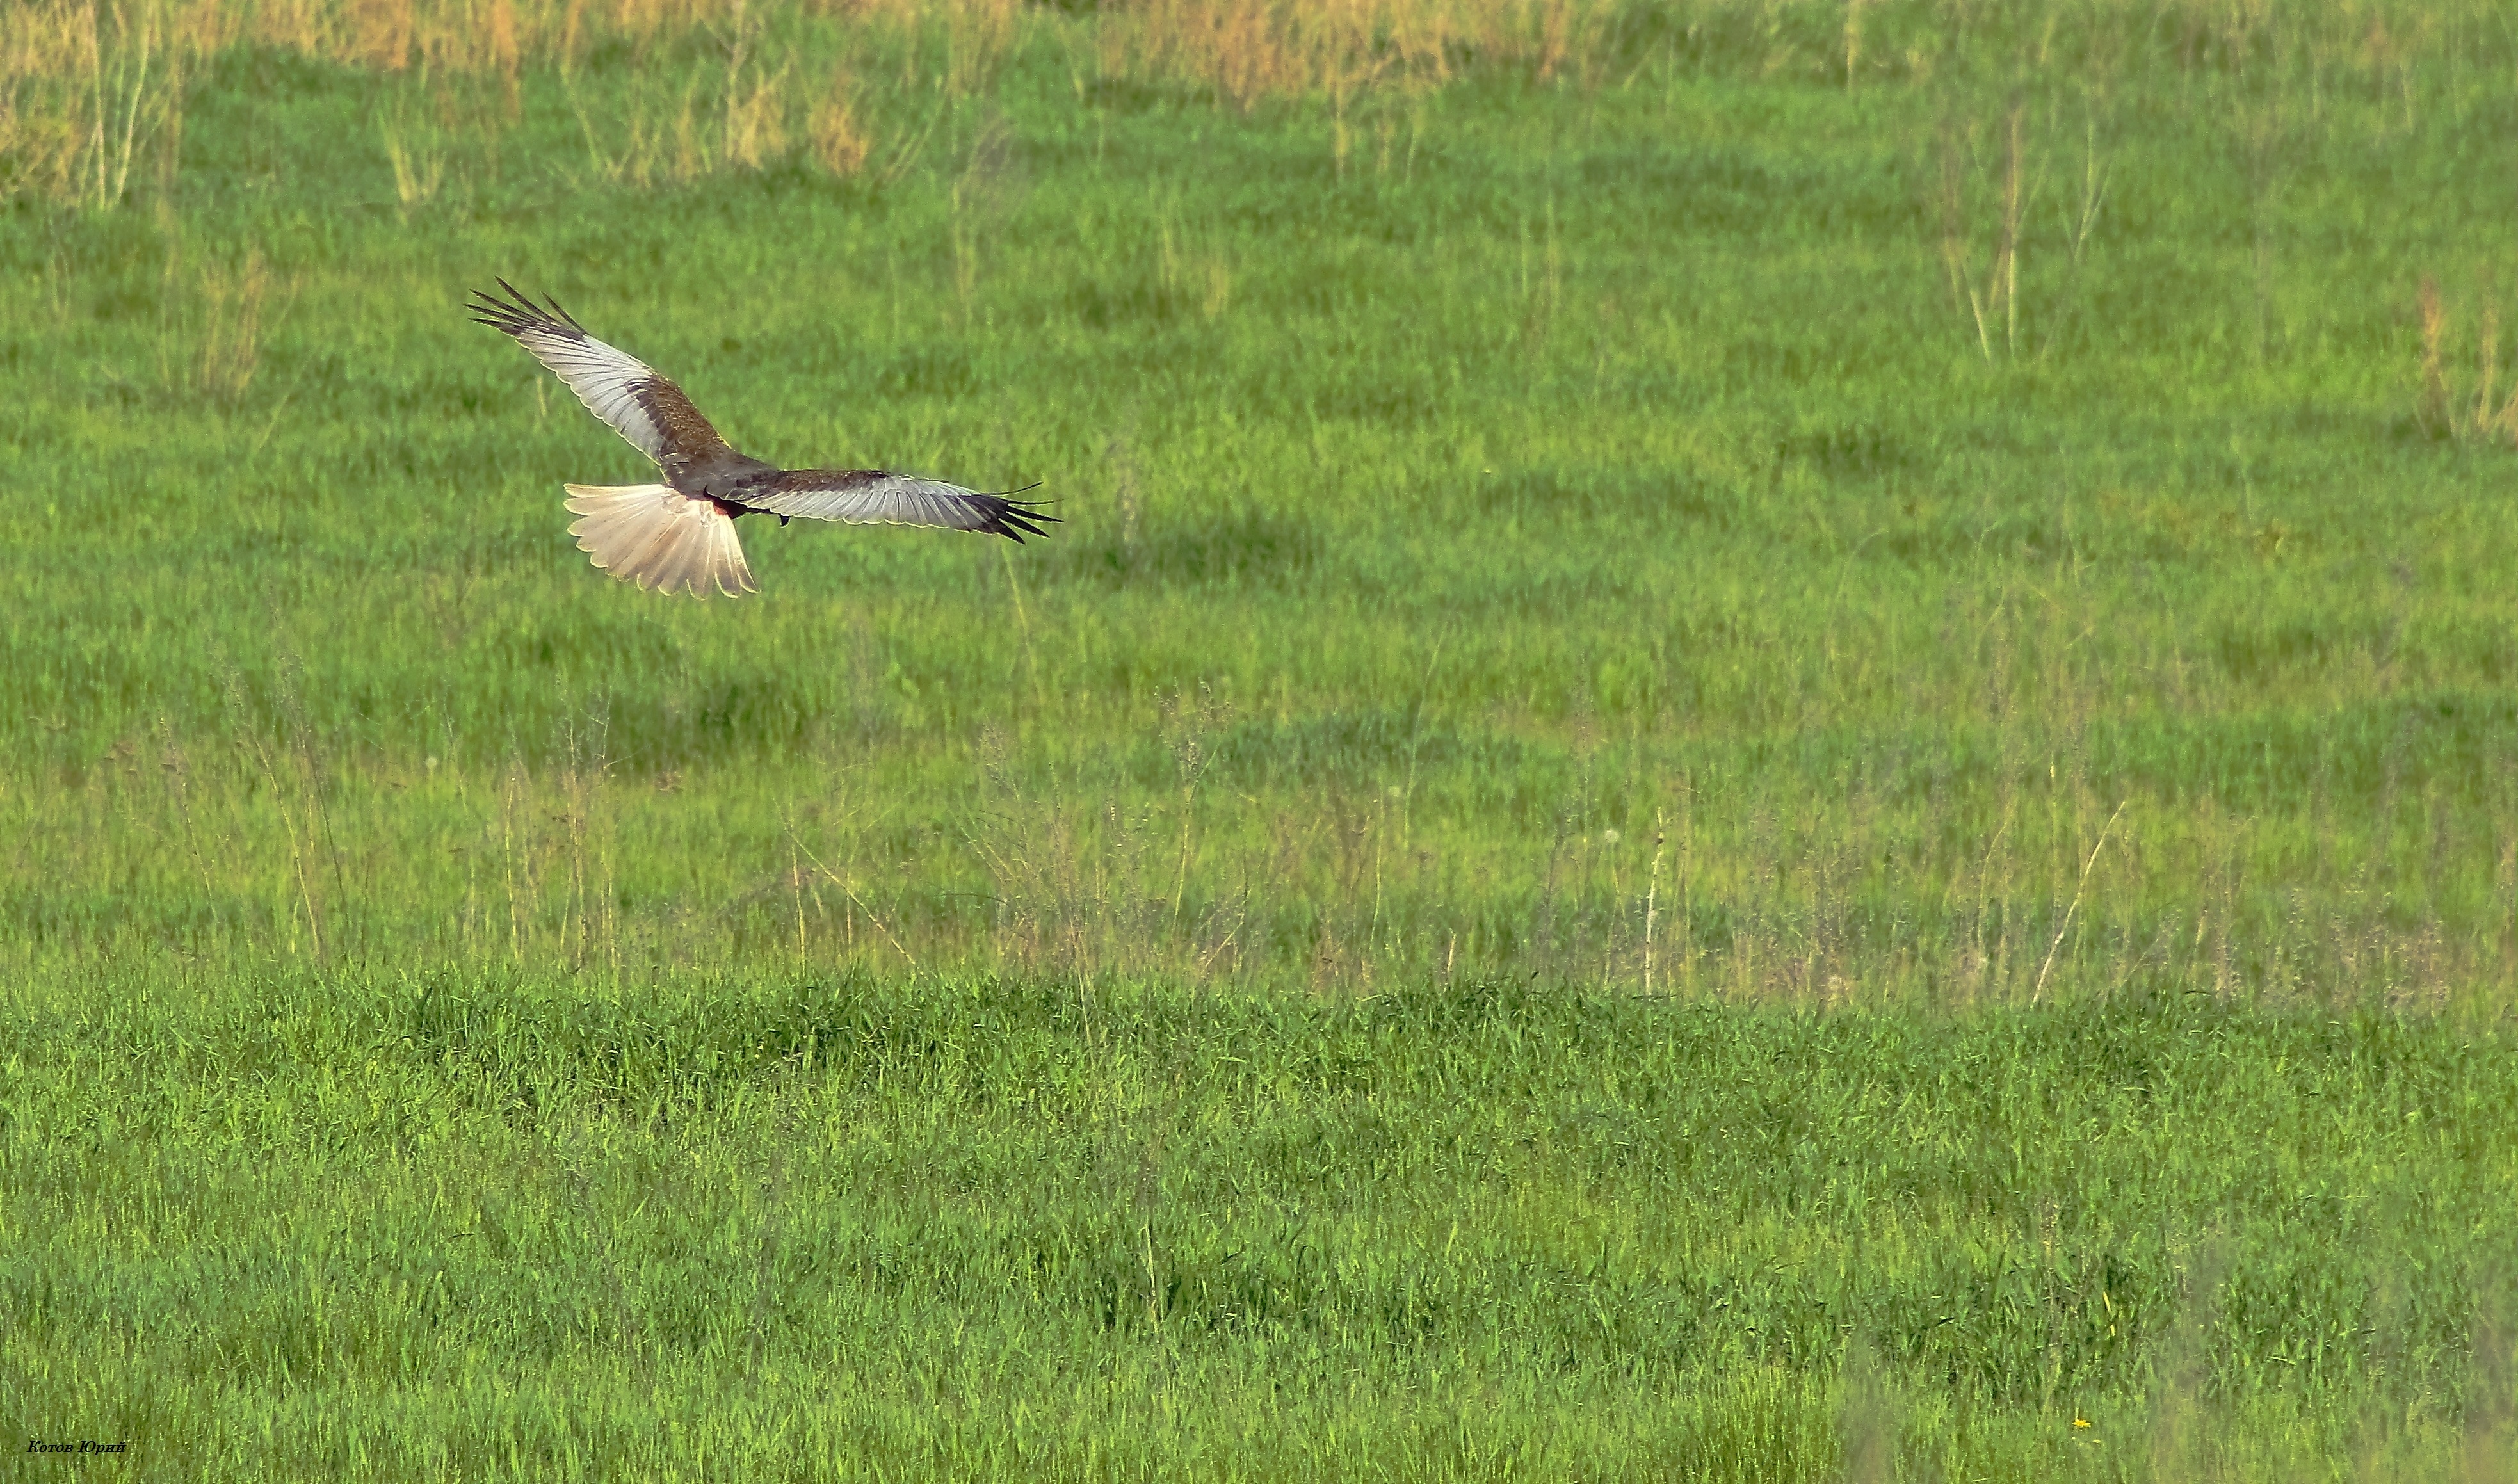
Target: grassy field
{"x": 317, "y": 1226}
{"x": 1767, "y": 742}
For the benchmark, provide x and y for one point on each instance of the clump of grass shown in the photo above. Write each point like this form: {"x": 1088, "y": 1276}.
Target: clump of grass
{"x": 418, "y": 158}
{"x": 2463, "y": 406}
{"x": 1989, "y": 290}
{"x": 838, "y": 135}
{"x": 1252, "y": 50}
{"x": 215, "y": 328}
{"x": 86, "y": 91}
{"x": 729, "y": 109}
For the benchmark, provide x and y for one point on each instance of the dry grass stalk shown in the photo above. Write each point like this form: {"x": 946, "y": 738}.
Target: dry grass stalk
{"x": 715, "y": 117}
{"x": 1949, "y": 199}
{"x": 854, "y": 901}
{"x": 1652, "y": 898}
{"x": 2094, "y": 193}
{"x": 1996, "y": 297}
{"x": 293, "y": 772}
{"x": 213, "y": 327}
{"x": 838, "y": 138}
{"x": 2079, "y": 891}
{"x": 231, "y": 335}
{"x": 2487, "y": 371}
{"x": 978, "y": 36}
{"x": 1188, "y": 271}
{"x": 83, "y": 89}
{"x": 2444, "y": 410}
{"x": 756, "y": 127}
{"x": 420, "y": 169}
{"x": 1245, "y": 51}
{"x": 2007, "y": 257}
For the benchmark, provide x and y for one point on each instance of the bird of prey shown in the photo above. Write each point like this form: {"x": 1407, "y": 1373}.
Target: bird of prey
{"x": 679, "y": 535}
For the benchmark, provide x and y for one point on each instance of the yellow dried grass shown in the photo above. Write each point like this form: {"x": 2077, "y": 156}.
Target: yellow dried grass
{"x": 2457, "y": 407}
{"x": 836, "y": 136}
{"x": 89, "y": 87}
{"x": 85, "y": 90}
{"x": 1249, "y": 50}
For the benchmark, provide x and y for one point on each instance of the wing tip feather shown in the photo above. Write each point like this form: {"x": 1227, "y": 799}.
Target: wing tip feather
{"x": 518, "y": 315}
{"x": 1016, "y": 518}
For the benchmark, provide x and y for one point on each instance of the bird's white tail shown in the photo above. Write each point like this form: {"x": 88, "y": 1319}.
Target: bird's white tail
{"x": 660, "y": 538}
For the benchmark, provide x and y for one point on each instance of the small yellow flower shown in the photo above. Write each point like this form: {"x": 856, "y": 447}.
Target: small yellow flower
{"x": 2081, "y": 1421}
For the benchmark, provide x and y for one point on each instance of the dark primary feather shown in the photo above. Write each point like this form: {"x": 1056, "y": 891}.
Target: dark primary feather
{"x": 518, "y": 312}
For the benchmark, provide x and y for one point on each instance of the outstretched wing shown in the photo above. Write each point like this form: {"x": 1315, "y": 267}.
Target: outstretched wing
{"x": 872, "y": 496}
{"x": 616, "y": 386}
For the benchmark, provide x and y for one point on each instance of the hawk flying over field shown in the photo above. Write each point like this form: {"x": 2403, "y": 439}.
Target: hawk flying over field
{"x": 679, "y": 535}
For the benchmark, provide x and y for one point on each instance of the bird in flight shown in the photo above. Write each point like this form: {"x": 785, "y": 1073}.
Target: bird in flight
{"x": 679, "y": 535}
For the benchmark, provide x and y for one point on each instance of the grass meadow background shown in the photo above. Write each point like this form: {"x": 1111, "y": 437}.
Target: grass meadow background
{"x": 1768, "y": 741}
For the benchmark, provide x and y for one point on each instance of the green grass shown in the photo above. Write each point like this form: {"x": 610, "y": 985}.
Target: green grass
{"x": 433, "y": 1226}
{"x": 1165, "y": 1001}
{"x": 1619, "y": 461}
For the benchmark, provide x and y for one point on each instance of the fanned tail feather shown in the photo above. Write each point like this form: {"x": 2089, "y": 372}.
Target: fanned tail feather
{"x": 659, "y": 539}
